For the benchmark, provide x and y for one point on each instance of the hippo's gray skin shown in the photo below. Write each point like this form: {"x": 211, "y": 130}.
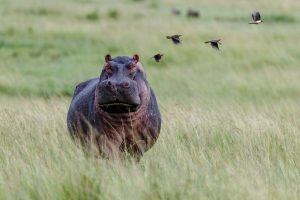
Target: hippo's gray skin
{"x": 118, "y": 111}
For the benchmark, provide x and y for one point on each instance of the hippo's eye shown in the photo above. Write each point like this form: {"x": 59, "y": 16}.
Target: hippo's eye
{"x": 131, "y": 68}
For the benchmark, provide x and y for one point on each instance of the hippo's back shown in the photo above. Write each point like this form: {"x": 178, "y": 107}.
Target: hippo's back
{"x": 82, "y": 103}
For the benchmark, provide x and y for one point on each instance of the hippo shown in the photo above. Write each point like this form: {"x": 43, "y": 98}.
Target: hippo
{"x": 117, "y": 111}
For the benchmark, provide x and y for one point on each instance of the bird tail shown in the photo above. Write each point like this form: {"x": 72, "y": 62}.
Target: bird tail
{"x": 207, "y": 42}
{"x": 169, "y": 37}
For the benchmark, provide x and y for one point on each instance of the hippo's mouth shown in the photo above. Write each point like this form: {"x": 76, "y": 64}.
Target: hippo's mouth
{"x": 118, "y": 107}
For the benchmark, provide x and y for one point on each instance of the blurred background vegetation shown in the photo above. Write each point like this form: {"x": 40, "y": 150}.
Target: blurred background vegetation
{"x": 47, "y": 47}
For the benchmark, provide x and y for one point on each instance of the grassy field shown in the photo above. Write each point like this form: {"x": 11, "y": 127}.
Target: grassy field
{"x": 231, "y": 126}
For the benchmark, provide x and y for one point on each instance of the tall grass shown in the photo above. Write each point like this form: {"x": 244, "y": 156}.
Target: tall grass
{"x": 230, "y": 119}
{"x": 224, "y": 153}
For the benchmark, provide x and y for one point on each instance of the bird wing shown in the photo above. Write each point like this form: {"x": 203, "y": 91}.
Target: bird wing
{"x": 176, "y": 40}
{"x": 157, "y": 56}
{"x": 257, "y": 16}
{"x": 214, "y": 45}
{"x": 253, "y": 17}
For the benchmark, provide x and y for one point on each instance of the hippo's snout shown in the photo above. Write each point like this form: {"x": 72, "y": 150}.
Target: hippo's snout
{"x": 114, "y": 86}
{"x": 118, "y": 96}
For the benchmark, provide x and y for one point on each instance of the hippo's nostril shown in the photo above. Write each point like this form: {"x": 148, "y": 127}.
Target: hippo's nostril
{"x": 126, "y": 84}
{"x": 108, "y": 84}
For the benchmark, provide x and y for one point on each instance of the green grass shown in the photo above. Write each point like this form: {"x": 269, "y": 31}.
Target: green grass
{"x": 230, "y": 119}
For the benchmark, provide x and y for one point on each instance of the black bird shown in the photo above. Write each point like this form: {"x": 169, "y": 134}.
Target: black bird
{"x": 175, "y": 38}
{"x": 214, "y": 43}
{"x": 158, "y": 57}
{"x": 256, "y": 18}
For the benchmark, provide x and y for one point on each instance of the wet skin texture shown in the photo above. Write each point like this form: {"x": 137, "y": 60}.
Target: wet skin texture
{"x": 117, "y": 111}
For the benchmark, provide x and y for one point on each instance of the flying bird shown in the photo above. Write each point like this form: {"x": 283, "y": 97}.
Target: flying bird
{"x": 175, "y": 38}
{"x": 256, "y": 18}
{"x": 214, "y": 43}
{"x": 158, "y": 57}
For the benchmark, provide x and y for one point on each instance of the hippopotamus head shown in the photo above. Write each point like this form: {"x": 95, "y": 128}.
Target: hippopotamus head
{"x": 122, "y": 86}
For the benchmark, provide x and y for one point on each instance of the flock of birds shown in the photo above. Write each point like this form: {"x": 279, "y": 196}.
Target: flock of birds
{"x": 256, "y": 19}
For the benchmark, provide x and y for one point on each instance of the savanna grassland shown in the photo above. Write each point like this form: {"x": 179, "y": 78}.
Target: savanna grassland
{"x": 231, "y": 125}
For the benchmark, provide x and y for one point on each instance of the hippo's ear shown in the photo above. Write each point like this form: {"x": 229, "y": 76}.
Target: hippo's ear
{"x": 107, "y": 58}
{"x": 136, "y": 58}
